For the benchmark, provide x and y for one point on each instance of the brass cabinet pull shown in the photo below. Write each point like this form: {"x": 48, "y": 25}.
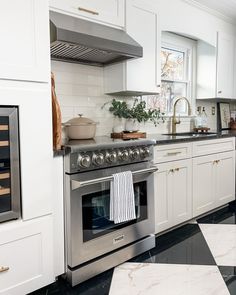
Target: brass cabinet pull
{"x": 173, "y": 153}
{"x": 171, "y": 170}
{"x": 177, "y": 169}
{"x": 3, "y": 268}
{"x": 88, "y": 11}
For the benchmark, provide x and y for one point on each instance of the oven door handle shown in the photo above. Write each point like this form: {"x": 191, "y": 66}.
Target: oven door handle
{"x": 77, "y": 184}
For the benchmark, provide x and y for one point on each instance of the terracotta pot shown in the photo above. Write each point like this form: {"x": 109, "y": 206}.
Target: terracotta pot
{"x": 81, "y": 128}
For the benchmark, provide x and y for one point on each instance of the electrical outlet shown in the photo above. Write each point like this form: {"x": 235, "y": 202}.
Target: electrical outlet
{"x": 213, "y": 111}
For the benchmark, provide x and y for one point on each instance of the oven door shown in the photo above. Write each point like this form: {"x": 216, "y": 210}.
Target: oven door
{"x": 90, "y": 233}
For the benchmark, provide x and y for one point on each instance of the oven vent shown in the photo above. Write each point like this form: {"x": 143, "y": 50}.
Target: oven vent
{"x": 81, "y": 54}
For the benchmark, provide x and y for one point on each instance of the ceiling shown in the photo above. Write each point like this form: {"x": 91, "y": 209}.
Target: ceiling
{"x": 224, "y": 7}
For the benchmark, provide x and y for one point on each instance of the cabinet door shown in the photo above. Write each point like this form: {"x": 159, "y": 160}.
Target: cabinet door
{"x": 204, "y": 186}
{"x": 142, "y": 25}
{"x": 24, "y": 31}
{"x": 106, "y": 11}
{"x": 26, "y": 256}
{"x": 225, "y": 178}
{"x": 35, "y": 134}
{"x": 225, "y": 65}
{"x": 173, "y": 194}
{"x": 182, "y": 191}
{"x": 163, "y": 201}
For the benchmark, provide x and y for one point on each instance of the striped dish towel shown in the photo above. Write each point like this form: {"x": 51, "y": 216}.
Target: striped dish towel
{"x": 122, "y": 203}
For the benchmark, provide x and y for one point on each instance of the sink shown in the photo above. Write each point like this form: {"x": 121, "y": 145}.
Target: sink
{"x": 193, "y": 134}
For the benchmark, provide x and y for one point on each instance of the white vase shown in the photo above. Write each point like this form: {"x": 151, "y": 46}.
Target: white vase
{"x": 118, "y": 125}
{"x": 132, "y": 125}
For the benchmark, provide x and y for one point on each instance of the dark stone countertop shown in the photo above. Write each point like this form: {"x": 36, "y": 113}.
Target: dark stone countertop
{"x": 157, "y": 139}
{"x": 168, "y": 139}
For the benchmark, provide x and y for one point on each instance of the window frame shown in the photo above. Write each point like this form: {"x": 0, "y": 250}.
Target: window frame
{"x": 188, "y": 46}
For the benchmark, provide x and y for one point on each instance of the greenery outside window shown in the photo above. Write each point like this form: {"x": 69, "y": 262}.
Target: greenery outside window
{"x": 178, "y": 67}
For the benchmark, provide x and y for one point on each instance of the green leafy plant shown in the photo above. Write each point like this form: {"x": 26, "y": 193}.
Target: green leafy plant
{"x": 137, "y": 112}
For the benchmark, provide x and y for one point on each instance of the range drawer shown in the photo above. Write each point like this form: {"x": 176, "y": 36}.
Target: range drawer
{"x": 213, "y": 146}
{"x": 172, "y": 152}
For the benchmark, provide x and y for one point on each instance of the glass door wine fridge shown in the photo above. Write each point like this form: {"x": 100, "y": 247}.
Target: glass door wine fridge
{"x": 10, "y": 206}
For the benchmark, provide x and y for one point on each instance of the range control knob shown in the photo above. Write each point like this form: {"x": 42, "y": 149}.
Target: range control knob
{"x": 124, "y": 155}
{"x": 98, "y": 159}
{"x": 84, "y": 161}
{"x": 134, "y": 154}
{"x": 144, "y": 152}
{"x": 111, "y": 157}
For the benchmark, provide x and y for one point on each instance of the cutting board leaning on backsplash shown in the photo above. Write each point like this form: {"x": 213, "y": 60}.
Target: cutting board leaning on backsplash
{"x": 56, "y": 117}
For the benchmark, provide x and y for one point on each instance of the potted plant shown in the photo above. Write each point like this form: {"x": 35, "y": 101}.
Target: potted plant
{"x": 136, "y": 114}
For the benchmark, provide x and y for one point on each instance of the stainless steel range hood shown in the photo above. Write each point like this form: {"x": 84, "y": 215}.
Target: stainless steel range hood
{"x": 80, "y": 41}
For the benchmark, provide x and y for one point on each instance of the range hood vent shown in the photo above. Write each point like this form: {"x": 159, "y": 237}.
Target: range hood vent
{"x": 80, "y": 41}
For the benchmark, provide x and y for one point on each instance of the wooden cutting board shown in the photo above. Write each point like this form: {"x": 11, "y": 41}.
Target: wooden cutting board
{"x": 56, "y": 117}
{"x": 129, "y": 135}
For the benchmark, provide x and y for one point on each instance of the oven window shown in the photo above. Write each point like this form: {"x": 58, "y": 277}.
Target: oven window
{"x": 96, "y": 212}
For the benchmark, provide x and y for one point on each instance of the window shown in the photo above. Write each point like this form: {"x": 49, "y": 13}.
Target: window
{"x": 178, "y": 67}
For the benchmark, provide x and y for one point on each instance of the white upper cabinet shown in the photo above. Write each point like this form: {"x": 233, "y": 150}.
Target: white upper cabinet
{"x": 110, "y": 12}
{"x": 142, "y": 75}
{"x": 225, "y": 66}
{"x": 24, "y": 31}
{"x": 215, "y": 68}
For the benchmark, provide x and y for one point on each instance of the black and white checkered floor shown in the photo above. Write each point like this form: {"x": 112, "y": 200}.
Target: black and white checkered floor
{"x": 198, "y": 258}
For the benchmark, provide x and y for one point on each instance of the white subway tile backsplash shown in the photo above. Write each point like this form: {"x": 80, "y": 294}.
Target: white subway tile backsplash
{"x": 79, "y": 90}
{"x": 67, "y": 112}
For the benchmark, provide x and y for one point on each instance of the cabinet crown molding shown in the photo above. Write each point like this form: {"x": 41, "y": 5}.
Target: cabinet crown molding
{"x": 211, "y": 11}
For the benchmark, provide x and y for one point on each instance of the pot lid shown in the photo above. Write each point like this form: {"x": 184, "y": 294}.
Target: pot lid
{"x": 80, "y": 121}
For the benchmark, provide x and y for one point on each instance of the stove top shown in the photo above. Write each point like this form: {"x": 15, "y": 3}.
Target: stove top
{"x": 103, "y": 152}
{"x": 101, "y": 142}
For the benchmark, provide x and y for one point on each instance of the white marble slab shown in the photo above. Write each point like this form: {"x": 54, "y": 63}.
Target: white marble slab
{"x": 221, "y": 239}
{"x": 167, "y": 279}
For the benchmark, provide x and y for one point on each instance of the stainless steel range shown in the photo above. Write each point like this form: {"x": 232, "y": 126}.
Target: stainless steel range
{"x": 94, "y": 243}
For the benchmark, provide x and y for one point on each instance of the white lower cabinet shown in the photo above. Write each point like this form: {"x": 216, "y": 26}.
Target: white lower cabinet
{"x": 192, "y": 179}
{"x": 213, "y": 181}
{"x": 225, "y": 178}
{"x": 173, "y": 194}
{"x": 26, "y": 256}
{"x": 204, "y": 175}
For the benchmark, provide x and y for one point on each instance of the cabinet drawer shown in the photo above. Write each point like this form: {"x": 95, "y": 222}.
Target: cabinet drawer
{"x": 110, "y": 12}
{"x": 26, "y": 262}
{"x": 207, "y": 147}
{"x": 172, "y": 152}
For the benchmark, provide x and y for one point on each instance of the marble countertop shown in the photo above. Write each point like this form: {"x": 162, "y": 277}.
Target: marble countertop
{"x": 157, "y": 139}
